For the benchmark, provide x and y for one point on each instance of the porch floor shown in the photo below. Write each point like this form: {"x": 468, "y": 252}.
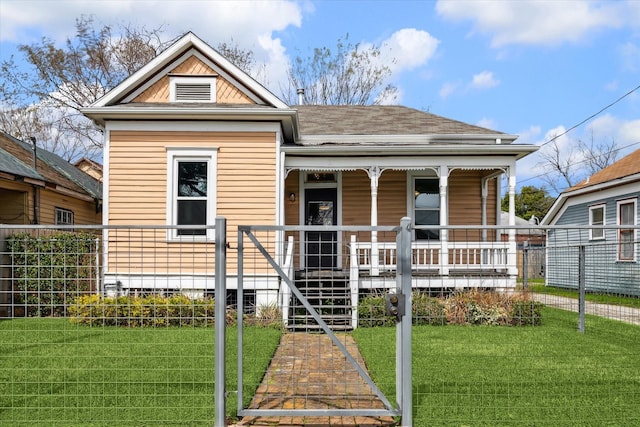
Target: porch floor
{"x": 309, "y": 372}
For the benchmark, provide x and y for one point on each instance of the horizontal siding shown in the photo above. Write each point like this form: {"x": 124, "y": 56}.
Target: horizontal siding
{"x": 245, "y": 182}
{"x": 14, "y": 207}
{"x": 83, "y": 212}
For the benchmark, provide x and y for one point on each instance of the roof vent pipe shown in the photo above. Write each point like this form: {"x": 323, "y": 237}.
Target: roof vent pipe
{"x": 300, "y": 96}
{"x": 35, "y": 152}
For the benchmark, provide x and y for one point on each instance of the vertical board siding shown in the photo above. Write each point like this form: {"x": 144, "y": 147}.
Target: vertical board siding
{"x": 245, "y": 187}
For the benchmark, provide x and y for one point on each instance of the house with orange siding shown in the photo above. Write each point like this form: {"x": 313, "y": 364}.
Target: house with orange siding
{"x": 191, "y": 115}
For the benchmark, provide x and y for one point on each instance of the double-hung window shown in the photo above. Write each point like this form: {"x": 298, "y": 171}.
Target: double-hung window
{"x": 63, "y": 216}
{"x": 191, "y": 192}
{"x": 626, "y": 236}
{"x": 426, "y": 207}
{"x": 596, "y": 217}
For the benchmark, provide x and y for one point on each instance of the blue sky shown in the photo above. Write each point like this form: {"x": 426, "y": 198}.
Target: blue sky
{"x": 531, "y": 68}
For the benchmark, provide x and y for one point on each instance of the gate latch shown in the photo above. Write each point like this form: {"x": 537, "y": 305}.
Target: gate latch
{"x": 395, "y": 305}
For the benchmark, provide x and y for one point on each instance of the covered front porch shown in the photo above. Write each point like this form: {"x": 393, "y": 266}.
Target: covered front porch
{"x": 453, "y": 202}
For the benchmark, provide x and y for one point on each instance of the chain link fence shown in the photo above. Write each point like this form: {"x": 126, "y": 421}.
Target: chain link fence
{"x": 115, "y": 326}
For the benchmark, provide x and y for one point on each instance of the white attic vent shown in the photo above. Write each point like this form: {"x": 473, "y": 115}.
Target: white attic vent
{"x": 193, "y": 89}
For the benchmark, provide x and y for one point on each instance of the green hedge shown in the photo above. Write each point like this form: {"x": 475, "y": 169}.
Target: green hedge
{"x": 153, "y": 310}
{"x": 156, "y": 310}
{"x": 50, "y": 272}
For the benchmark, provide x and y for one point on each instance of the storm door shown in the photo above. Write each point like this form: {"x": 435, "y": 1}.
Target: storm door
{"x": 321, "y": 208}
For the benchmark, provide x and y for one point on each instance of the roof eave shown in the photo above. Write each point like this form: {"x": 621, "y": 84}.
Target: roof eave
{"x": 563, "y": 197}
{"x": 413, "y": 147}
{"x": 286, "y": 117}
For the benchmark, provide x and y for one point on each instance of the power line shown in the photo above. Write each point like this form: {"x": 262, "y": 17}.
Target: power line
{"x": 591, "y": 116}
{"x": 577, "y": 163}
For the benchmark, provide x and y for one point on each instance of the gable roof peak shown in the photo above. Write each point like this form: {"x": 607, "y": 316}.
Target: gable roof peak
{"x": 181, "y": 46}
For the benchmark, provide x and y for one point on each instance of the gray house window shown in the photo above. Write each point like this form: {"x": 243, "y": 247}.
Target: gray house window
{"x": 626, "y": 237}
{"x": 596, "y": 217}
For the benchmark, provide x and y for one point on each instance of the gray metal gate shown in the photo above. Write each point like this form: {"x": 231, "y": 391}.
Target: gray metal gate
{"x": 284, "y": 403}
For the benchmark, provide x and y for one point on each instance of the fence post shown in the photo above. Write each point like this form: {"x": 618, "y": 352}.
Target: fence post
{"x": 403, "y": 341}
{"x": 220, "y": 319}
{"x": 525, "y": 264}
{"x": 581, "y": 287}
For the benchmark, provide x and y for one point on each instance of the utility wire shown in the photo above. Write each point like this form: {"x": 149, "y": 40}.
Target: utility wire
{"x": 591, "y": 116}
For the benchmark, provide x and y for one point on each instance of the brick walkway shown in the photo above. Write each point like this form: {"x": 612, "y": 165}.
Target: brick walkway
{"x": 309, "y": 371}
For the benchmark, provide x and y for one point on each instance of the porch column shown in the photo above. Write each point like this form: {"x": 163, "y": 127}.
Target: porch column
{"x": 374, "y": 173}
{"x": 444, "y": 216}
{"x": 511, "y": 256}
{"x": 485, "y": 195}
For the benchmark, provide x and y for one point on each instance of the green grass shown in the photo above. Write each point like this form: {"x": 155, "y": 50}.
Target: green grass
{"x": 628, "y": 301}
{"x": 549, "y": 375}
{"x": 53, "y": 373}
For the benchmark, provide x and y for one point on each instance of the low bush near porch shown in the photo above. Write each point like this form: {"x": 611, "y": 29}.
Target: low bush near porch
{"x": 461, "y": 308}
{"x": 156, "y": 310}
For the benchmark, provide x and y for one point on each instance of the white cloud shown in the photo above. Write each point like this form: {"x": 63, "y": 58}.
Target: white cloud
{"x": 625, "y": 133}
{"x": 484, "y": 80}
{"x": 447, "y": 89}
{"x": 408, "y": 48}
{"x": 486, "y": 123}
{"x": 213, "y": 21}
{"x": 630, "y": 55}
{"x": 537, "y": 22}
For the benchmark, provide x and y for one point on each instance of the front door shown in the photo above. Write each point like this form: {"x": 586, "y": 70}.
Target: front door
{"x": 321, "y": 246}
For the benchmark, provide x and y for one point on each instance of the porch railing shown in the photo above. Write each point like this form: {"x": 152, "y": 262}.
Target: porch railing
{"x": 439, "y": 257}
{"x": 285, "y": 291}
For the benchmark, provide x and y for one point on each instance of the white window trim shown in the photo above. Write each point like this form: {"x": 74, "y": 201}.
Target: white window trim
{"x": 602, "y": 206}
{"x": 174, "y": 155}
{"x": 635, "y": 222}
{"x": 173, "y": 81}
{"x": 63, "y": 212}
{"x": 411, "y": 200}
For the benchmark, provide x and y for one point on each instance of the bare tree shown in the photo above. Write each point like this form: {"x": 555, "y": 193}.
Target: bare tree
{"x": 598, "y": 155}
{"x": 350, "y": 75}
{"x": 566, "y": 168}
{"x": 69, "y": 78}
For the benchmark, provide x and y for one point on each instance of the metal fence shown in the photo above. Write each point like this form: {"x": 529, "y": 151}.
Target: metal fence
{"x": 116, "y": 325}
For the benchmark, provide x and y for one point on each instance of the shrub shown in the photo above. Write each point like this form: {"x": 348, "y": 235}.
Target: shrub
{"x": 371, "y": 312}
{"x": 427, "y": 310}
{"x": 473, "y": 307}
{"x": 268, "y": 316}
{"x": 525, "y": 312}
{"x": 154, "y": 310}
{"x": 49, "y": 272}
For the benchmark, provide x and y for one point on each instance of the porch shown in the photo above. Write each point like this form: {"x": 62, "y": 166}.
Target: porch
{"x": 369, "y": 266}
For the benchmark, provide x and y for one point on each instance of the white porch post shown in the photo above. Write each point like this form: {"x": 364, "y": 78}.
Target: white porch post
{"x": 485, "y": 194}
{"x": 511, "y": 256}
{"x": 444, "y": 216}
{"x": 374, "y": 176}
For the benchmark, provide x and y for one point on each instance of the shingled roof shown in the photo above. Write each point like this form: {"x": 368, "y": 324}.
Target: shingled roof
{"x": 379, "y": 120}
{"x": 627, "y": 166}
{"x": 16, "y": 158}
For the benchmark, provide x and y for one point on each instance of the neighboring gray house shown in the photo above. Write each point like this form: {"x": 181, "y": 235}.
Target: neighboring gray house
{"x": 607, "y": 198}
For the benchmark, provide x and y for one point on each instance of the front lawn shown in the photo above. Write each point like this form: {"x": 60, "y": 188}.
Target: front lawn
{"x": 599, "y": 297}
{"x": 548, "y": 375}
{"x": 53, "y": 373}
